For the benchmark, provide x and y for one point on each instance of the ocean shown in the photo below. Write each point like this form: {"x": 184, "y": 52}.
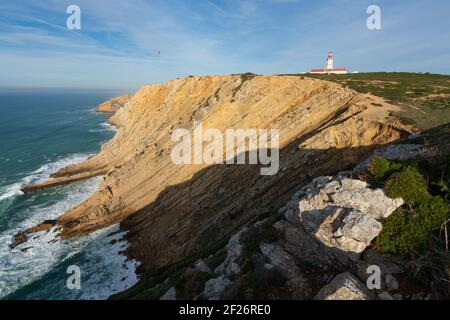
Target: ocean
{"x": 40, "y": 132}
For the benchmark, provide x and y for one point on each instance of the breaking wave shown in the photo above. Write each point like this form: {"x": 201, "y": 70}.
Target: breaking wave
{"x": 40, "y": 174}
{"x": 104, "y": 127}
{"x": 37, "y": 269}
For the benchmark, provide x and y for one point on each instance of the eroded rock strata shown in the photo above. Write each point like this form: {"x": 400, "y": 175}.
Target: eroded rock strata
{"x": 114, "y": 104}
{"x": 172, "y": 211}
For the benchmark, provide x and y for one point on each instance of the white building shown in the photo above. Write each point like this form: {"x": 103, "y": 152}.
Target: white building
{"x": 329, "y": 68}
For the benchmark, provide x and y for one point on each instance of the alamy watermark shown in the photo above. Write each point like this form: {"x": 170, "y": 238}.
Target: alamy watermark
{"x": 210, "y": 145}
{"x": 74, "y": 280}
{"x": 74, "y": 20}
{"x": 374, "y": 20}
{"x": 374, "y": 280}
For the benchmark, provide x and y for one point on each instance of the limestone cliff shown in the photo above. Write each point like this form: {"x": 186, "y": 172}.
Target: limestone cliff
{"x": 174, "y": 210}
{"x": 114, "y": 104}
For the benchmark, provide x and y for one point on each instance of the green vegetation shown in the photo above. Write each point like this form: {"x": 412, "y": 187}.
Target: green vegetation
{"x": 424, "y": 97}
{"x": 433, "y": 266}
{"x": 420, "y": 228}
{"x": 380, "y": 167}
{"x": 408, "y": 229}
{"x": 409, "y": 185}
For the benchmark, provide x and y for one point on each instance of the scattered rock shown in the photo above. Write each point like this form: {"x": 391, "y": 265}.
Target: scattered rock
{"x": 344, "y": 286}
{"x": 385, "y": 296}
{"x": 285, "y": 264}
{"x": 280, "y": 259}
{"x": 391, "y": 282}
{"x": 171, "y": 294}
{"x": 388, "y": 264}
{"x": 214, "y": 288}
{"x": 23, "y": 236}
{"x": 398, "y": 296}
{"x": 234, "y": 249}
{"x": 200, "y": 265}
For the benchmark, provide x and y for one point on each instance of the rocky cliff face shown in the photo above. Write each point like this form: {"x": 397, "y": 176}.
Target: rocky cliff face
{"x": 114, "y": 104}
{"x": 317, "y": 246}
{"x": 175, "y": 210}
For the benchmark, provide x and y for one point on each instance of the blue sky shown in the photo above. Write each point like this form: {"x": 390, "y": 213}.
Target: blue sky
{"x": 125, "y": 44}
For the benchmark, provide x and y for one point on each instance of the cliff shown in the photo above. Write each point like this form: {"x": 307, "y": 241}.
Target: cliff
{"x": 172, "y": 211}
{"x": 114, "y": 104}
{"x": 334, "y": 237}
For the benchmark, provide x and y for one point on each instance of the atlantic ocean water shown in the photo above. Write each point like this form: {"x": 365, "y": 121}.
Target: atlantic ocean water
{"x": 40, "y": 132}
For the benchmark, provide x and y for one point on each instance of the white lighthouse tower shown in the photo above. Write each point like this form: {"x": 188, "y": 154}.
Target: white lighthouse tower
{"x": 330, "y": 62}
{"x": 329, "y": 68}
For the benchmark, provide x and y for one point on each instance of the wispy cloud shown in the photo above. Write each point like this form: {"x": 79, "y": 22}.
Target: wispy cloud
{"x": 127, "y": 43}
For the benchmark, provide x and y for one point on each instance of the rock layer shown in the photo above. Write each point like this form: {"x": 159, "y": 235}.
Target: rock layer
{"x": 174, "y": 210}
{"x": 114, "y": 104}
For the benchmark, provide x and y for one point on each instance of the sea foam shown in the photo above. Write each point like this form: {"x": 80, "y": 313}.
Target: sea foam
{"x": 41, "y": 174}
{"x": 105, "y": 270}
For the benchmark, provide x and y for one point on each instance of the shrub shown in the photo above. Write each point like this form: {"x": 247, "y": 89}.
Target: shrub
{"x": 381, "y": 167}
{"x": 434, "y": 266}
{"x": 409, "y": 228}
{"x": 408, "y": 184}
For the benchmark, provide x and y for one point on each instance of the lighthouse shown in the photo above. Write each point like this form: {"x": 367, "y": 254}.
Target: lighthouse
{"x": 329, "y": 68}
{"x": 330, "y": 61}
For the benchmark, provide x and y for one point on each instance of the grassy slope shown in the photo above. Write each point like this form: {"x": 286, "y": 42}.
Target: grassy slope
{"x": 424, "y": 98}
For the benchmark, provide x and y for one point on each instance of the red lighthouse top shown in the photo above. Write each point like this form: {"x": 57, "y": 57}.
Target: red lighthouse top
{"x": 330, "y": 55}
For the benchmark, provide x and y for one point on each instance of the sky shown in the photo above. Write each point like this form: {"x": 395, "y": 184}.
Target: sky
{"x": 127, "y": 44}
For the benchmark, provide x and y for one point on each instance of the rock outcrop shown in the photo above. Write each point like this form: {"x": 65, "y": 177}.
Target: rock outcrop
{"x": 332, "y": 220}
{"x": 345, "y": 286}
{"x": 214, "y": 288}
{"x": 174, "y": 210}
{"x": 230, "y": 266}
{"x": 322, "y": 226}
{"x": 114, "y": 104}
{"x": 328, "y": 223}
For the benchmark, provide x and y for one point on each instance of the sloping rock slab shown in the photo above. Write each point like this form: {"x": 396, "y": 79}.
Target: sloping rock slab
{"x": 344, "y": 286}
{"x": 337, "y": 217}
